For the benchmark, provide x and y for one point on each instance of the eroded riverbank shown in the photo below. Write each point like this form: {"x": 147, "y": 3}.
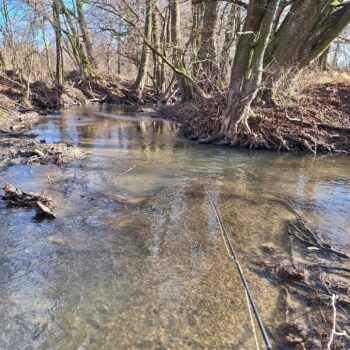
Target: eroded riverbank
{"x": 135, "y": 259}
{"x": 315, "y": 120}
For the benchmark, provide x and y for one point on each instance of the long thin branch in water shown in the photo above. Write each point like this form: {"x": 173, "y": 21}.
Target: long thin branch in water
{"x": 127, "y": 171}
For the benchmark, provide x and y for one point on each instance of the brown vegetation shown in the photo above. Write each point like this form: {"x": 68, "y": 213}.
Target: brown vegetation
{"x": 316, "y": 120}
{"x": 19, "y": 111}
{"x": 315, "y": 281}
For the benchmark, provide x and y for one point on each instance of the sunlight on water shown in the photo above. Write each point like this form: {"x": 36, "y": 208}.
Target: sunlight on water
{"x": 135, "y": 259}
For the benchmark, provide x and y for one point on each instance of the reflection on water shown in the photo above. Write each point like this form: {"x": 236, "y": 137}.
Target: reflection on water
{"x": 136, "y": 260}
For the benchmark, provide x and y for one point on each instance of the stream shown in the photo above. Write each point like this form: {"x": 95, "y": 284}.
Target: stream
{"x": 135, "y": 258}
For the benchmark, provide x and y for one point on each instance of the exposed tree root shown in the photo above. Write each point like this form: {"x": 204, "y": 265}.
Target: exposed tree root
{"x": 318, "y": 123}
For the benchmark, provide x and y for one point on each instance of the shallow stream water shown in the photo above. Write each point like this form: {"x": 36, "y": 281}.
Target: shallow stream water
{"x": 135, "y": 258}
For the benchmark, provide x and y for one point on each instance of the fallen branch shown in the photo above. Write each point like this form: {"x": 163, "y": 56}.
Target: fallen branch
{"x": 127, "y": 171}
{"x": 42, "y": 204}
{"x": 334, "y": 332}
{"x": 330, "y": 267}
{"x": 300, "y": 230}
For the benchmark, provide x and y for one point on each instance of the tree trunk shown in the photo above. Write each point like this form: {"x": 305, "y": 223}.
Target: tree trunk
{"x": 232, "y": 27}
{"x": 157, "y": 61}
{"x": 208, "y": 71}
{"x": 143, "y": 68}
{"x": 78, "y": 49}
{"x": 197, "y": 24}
{"x": 59, "y": 48}
{"x": 2, "y": 60}
{"x": 304, "y": 35}
{"x": 47, "y": 52}
{"x": 85, "y": 32}
{"x": 248, "y": 65}
{"x": 9, "y": 35}
{"x": 185, "y": 85}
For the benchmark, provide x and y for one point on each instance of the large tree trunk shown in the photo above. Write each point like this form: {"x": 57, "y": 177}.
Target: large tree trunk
{"x": 185, "y": 85}
{"x": 85, "y": 32}
{"x": 232, "y": 27}
{"x": 208, "y": 71}
{"x": 248, "y": 65}
{"x": 143, "y": 67}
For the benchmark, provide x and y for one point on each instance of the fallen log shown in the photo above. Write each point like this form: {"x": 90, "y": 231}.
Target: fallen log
{"x": 42, "y": 204}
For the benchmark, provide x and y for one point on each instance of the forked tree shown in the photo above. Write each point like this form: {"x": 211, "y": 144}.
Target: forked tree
{"x": 278, "y": 39}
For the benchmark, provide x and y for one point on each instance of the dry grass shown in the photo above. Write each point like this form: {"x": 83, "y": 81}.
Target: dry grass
{"x": 318, "y": 77}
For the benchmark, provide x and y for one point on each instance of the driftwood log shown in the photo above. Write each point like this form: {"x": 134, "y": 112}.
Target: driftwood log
{"x": 42, "y": 204}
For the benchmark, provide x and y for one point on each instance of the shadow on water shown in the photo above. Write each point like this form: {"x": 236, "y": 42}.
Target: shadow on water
{"x": 135, "y": 258}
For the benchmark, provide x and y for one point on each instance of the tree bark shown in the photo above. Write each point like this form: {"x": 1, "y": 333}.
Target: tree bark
{"x": 78, "y": 49}
{"x": 248, "y": 65}
{"x": 232, "y": 27}
{"x": 85, "y": 32}
{"x": 185, "y": 85}
{"x": 143, "y": 67}
{"x": 208, "y": 71}
{"x": 197, "y": 24}
{"x": 304, "y": 35}
{"x": 157, "y": 61}
{"x": 58, "y": 41}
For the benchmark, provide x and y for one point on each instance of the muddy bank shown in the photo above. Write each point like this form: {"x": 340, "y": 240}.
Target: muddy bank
{"x": 317, "y": 120}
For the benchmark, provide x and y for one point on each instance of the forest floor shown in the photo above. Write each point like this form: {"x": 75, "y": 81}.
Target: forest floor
{"x": 316, "y": 118}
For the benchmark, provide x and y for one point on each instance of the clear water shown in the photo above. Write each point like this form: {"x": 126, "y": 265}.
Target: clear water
{"x": 136, "y": 260}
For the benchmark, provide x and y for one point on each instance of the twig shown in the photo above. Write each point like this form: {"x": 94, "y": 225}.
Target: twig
{"x": 334, "y": 332}
{"x": 48, "y": 177}
{"x": 313, "y": 239}
{"x": 125, "y": 172}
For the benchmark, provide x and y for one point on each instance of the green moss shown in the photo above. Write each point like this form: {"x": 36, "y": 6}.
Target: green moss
{"x": 2, "y": 114}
